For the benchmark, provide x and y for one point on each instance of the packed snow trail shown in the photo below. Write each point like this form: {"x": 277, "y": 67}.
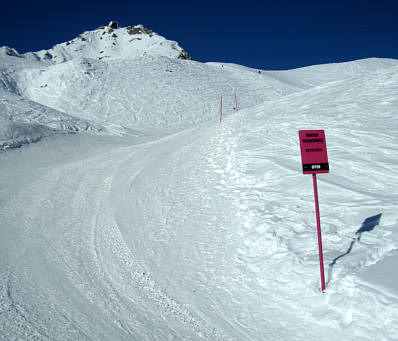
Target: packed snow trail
{"x": 67, "y": 251}
{"x": 77, "y": 262}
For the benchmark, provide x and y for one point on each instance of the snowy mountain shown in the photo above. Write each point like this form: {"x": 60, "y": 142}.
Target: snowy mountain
{"x": 142, "y": 217}
{"x": 120, "y": 80}
{"x": 108, "y": 42}
{"x": 63, "y": 80}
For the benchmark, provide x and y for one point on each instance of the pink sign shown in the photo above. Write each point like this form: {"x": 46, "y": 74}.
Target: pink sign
{"x": 314, "y": 156}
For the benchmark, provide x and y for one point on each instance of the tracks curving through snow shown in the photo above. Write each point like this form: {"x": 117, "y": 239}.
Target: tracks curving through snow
{"x": 67, "y": 272}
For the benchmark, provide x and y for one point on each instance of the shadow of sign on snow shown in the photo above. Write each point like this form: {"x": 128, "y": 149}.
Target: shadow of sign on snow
{"x": 368, "y": 225}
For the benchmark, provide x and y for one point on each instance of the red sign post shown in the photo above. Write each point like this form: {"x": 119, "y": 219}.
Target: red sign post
{"x": 314, "y": 159}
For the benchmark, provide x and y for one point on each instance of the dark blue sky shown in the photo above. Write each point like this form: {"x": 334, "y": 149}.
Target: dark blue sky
{"x": 260, "y": 34}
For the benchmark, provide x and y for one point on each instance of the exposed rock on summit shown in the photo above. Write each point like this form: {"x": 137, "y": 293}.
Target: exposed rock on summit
{"x": 111, "y": 42}
{"x": 113, "y": 25}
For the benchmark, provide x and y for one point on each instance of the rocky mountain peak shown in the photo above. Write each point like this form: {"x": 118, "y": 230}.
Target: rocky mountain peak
{"x": 113, "y": 42}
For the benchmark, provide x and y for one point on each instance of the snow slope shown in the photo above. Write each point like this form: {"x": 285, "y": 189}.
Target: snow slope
{"x": 207, "y": 233}
{"x": 25, "y": 121}
{"x": 21, "y": 125}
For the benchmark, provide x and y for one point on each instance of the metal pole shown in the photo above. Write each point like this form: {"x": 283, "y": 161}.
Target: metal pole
{"x": 318, "y": 223}
{"x": 236, "y": 102}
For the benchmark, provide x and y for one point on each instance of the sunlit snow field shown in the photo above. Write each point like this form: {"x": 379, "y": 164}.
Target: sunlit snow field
{"x": 165, "y": 224}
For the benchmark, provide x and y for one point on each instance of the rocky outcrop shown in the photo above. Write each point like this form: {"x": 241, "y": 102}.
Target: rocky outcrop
{"x": 184, "y": 55}
{"x": 139, "y": 29}
{"x": 113, "y": 25}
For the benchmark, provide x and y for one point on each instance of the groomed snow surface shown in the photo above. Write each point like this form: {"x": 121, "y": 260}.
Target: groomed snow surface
{"x": 165, "y": 224}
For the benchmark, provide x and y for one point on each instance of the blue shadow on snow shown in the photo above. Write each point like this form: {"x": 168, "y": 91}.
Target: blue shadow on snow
{"x": 368, "y": 225}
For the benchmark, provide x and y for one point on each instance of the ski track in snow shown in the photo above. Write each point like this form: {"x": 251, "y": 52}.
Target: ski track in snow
{"x": 83, "y": 242}
{"x": 74, "y": 271}
{"x": 119, "y": 234}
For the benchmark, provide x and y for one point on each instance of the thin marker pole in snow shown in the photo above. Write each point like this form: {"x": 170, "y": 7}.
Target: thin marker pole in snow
{"x": 236, "y": 101}
{"x": 318, "y": 224}
{"x": 221, "y": 109}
